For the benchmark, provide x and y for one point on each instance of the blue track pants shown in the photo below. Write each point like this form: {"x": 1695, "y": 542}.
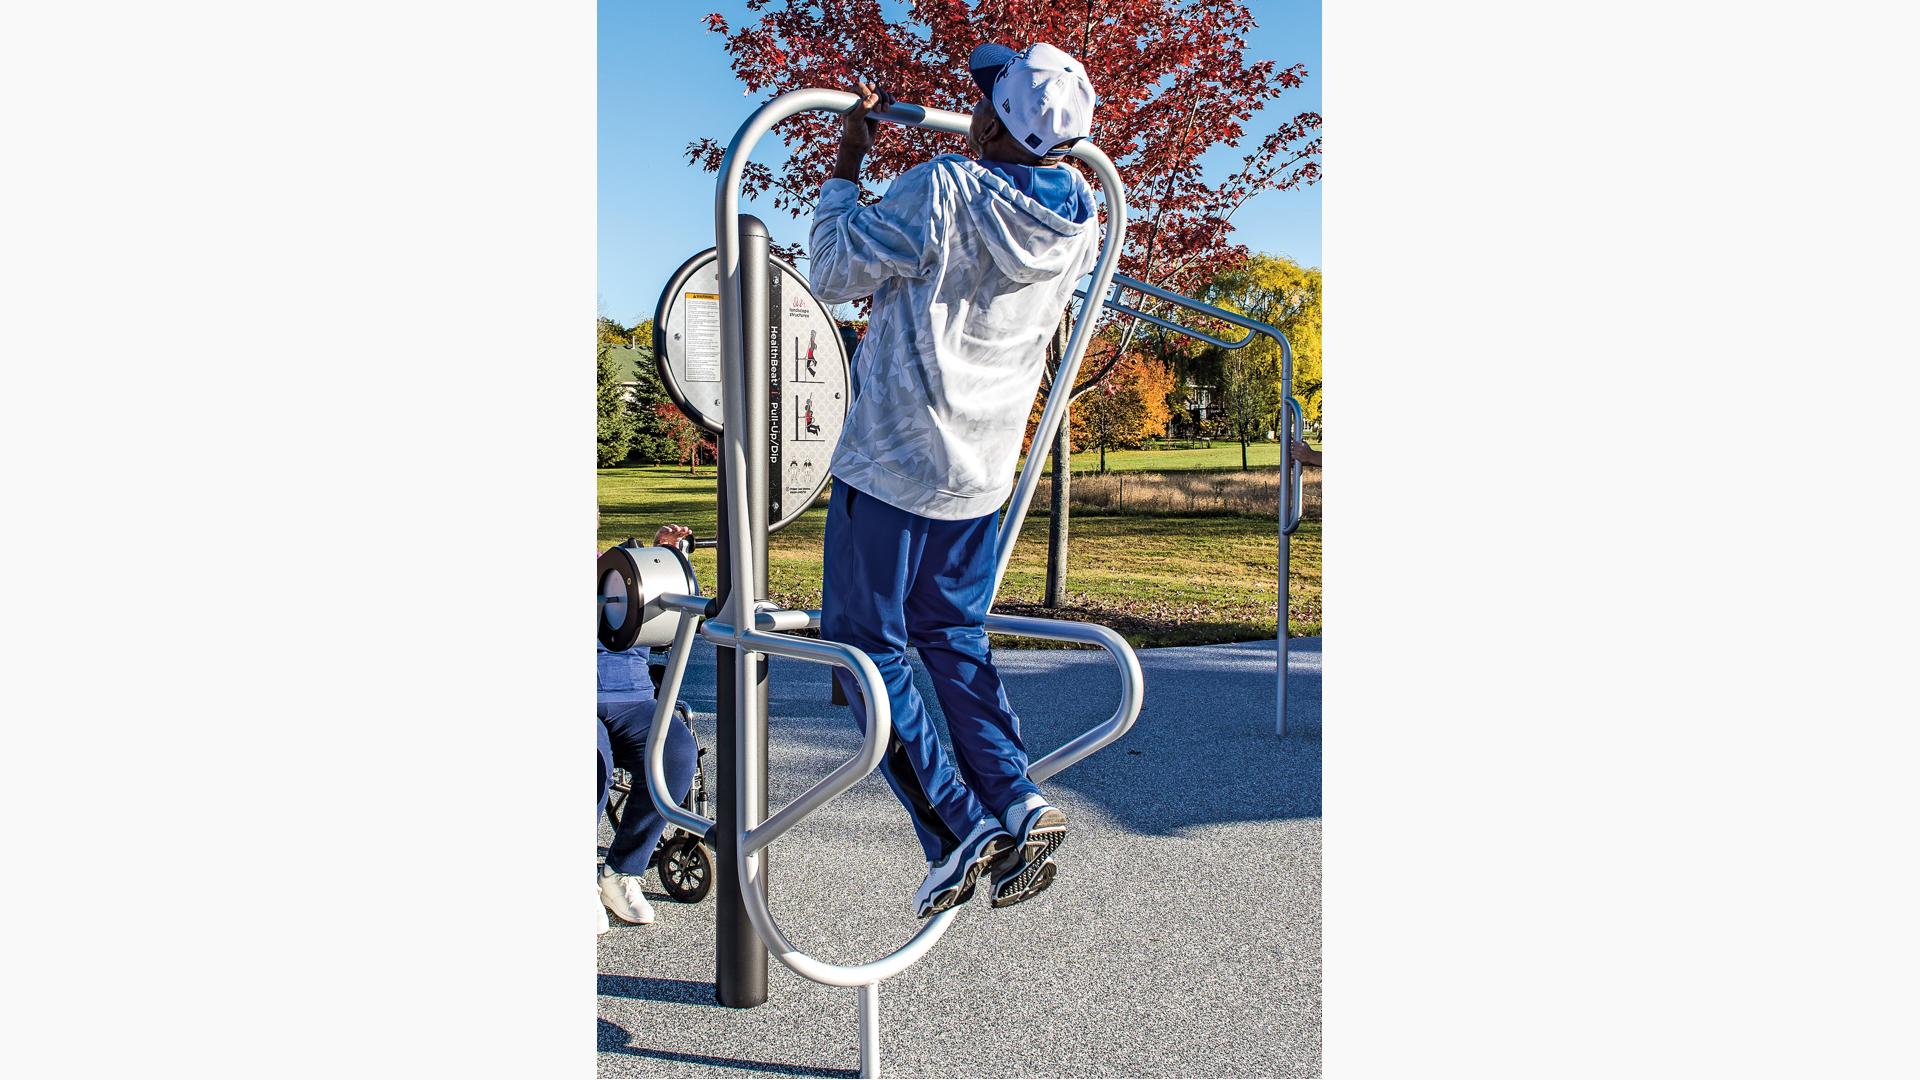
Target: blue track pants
{"x": 623, "y": 742}
{"x": 894, "y": 579}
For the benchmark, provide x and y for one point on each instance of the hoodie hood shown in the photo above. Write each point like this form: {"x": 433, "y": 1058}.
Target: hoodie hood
{"x": 1027, "y": 240}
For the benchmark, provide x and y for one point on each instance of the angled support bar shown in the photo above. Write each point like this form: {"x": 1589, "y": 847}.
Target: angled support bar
{"x": 1122, "y": 282}
{"x": 1133, "y": 685}
{"x": 873, "y": 743}
{"x": 676, "y": 815}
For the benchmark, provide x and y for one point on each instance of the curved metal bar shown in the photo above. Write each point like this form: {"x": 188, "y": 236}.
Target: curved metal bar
{"x": 873, "y": 746}
{"x": 1061, "y": 392}
{"x": 848, "y": 975}
{"x": 1292, "y": 502}
{"x": 663, "y": 801}
{"x": 873, "y": 741}
{"x": 781, "y": 620}
{"x": 1133, "y": 685}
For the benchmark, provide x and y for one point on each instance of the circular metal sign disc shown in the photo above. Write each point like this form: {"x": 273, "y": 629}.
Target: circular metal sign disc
{"x": 807, "y": 401}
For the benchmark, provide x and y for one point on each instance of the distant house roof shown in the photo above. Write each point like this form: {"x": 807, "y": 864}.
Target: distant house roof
{"x": 630, "y": 359}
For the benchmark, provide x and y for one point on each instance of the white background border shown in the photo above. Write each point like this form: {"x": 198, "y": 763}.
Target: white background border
{"x": 1619, "y": 703}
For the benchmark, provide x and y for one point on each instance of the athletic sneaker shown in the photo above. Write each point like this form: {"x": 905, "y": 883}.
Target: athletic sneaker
{"x": 1038, "y": 829}
{"x": 950, "y": 881}
{"x": 621, "y": 894}
{"x": 604, "y": 925}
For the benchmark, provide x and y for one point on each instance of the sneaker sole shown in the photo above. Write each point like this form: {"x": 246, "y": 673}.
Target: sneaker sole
{"x": 960, "y": 894}
{"x": 1036, "y": 860}
{"x": 1038, "y": 878}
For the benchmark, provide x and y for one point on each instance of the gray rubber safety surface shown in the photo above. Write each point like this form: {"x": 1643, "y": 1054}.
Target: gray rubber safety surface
{"x": 1181, "y": 938}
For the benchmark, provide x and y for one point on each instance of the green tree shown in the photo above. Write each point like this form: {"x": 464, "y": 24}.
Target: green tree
{"x": 653, "y": 443}
{"x": 619, "y": 420}
{"x": 1281, "y": 292}
{"x": 625, "y": 358}
{"x": 1249, "y": 398}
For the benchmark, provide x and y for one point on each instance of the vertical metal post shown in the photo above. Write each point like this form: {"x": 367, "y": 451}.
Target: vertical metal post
{"x": 869, "y": 1029}
{"x": 1292, "y": 425}
{"x": 740, "y": 958}
{"x": 1286, "y": 580}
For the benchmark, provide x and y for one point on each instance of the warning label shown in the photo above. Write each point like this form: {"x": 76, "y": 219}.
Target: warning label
{"x": 703, "y": 337}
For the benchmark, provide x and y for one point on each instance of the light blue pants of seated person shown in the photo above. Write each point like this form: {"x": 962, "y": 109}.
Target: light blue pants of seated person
{"x": 894, "y": 579}
{"x": 623, "y": 742}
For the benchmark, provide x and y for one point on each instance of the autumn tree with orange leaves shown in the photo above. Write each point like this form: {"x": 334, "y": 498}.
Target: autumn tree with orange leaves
{"x": 1126, "y": 408}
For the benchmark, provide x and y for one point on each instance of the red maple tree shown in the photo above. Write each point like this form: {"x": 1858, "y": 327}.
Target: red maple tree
{"x": 1173, "y": 76}
{"x": 690, "y": 444}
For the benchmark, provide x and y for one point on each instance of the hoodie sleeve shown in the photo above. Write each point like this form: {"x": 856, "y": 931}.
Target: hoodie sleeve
{"x": 854, "y": 249}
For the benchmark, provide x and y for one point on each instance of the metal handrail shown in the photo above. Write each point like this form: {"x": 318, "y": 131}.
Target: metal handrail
{"x": 879, "y": 729}
{"x": 1133, "y": 684}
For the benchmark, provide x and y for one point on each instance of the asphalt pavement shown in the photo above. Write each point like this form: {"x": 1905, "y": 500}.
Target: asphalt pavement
{"x": 1181, "y": 938}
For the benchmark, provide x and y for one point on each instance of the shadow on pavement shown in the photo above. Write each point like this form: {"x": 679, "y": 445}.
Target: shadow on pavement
{"x": 644, "y": 988}
{"x": 615, "y": 1039}
{"x": 1203, "y": 751}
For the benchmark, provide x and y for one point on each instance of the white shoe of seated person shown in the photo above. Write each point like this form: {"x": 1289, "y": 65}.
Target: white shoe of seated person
{"x": 605, "y": 926}
{"x": 621, "y": 893}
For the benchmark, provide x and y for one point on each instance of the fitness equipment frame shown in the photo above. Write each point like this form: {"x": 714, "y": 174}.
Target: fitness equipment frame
{"x": 745, "y": 628}
{"x": 1291, "y": 501}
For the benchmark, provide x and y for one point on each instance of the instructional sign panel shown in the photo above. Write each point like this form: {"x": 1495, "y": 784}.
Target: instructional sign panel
{"x": 807, "y": 395}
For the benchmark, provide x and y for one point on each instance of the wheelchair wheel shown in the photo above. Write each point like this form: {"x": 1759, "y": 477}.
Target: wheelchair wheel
{"x": 686, "y": 869}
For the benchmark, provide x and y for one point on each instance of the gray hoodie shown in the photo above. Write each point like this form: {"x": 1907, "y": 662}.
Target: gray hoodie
{"x": 968, "y": 278}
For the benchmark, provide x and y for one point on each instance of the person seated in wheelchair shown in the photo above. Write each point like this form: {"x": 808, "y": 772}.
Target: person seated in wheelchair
{"x": 626, "y": 708}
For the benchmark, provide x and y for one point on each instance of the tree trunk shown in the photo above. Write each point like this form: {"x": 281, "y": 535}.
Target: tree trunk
{"x": 1062, "y": 475}
{"x": 1243, "y": 453}
{"x": 1057, "y": 515}
{"x": 1103, "y": 459}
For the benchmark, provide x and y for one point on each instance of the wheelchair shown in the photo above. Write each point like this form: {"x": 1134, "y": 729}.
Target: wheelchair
{"x": 682, "y": 859}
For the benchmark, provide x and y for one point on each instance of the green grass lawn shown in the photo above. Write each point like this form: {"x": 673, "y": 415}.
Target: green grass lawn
{"x": 1158, "y": 580}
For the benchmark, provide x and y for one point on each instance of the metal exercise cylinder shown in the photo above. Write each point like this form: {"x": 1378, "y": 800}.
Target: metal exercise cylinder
{"x": 740, "y": 959}
{"x": 632, "y": 581}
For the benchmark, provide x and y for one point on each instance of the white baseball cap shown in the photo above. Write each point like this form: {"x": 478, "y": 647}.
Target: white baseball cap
{"x": 1041, "y": 94}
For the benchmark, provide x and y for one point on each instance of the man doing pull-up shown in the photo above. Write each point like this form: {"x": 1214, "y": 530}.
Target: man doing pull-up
{"x": 970, "y": 262}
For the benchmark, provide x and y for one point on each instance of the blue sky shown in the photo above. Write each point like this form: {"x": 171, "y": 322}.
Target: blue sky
{"x": 665, "y": 81}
